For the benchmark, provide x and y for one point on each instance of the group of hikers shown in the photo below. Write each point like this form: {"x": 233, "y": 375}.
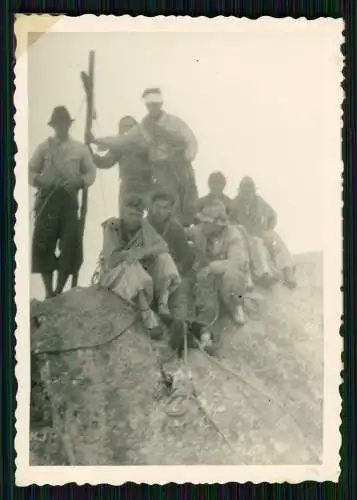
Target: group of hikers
{"x": 168, "y": 249}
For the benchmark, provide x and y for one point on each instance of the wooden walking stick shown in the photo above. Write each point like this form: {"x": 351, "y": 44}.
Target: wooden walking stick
{"x": 88, "y": 84}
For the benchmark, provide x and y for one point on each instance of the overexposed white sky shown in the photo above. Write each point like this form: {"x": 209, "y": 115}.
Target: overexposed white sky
{"x": 264, "y": 104}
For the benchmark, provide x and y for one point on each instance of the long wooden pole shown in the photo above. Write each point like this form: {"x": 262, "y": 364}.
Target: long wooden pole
{"x": 88, "y": 83}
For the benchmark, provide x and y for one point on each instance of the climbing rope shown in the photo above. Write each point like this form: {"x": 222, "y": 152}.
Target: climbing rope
{"x": 191, "y": 394}
{"x": 88, "y": 346}
{"x": 260, "y": 390}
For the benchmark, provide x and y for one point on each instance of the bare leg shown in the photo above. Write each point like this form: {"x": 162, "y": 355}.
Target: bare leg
{"x": 61, "y": 281}
{"x": 148, "y": 316}
{"x": 142, "y": 301}
{"x": 166, "y": 280}
{"x": 289, "y": 277}
{"x": 47, "y": 279}
{"x": 74, "y": 280}
{"x": 238, "y": 314}
{"x": 232, "y": 287}
{"x": 234, "y": 303}
{"x": 163, "y": 300}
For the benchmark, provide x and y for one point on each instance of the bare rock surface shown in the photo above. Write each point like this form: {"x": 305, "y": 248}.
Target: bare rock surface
{"x": 96, "y": 405}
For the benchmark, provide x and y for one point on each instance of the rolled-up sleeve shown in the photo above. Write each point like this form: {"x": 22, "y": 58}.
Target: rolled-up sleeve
{"x": 134, "y": 140}
{"x": 105, "y": 162}
{"x": 88, "y": 167}
{"x": 36, "y": 165}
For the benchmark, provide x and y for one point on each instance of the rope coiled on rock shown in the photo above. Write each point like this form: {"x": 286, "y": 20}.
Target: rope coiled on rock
{"x": 89, "y": 346}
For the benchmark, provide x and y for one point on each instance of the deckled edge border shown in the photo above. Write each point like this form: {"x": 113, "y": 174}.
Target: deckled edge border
{"x": 31, "y": 23}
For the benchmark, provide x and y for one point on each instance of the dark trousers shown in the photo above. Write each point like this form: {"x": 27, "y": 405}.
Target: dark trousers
{"x": 140, "y": 187}
{"x": 56, "y": 222}
{"x": 177, "y": 177}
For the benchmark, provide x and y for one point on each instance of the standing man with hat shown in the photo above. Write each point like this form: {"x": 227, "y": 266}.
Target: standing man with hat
{"x": 172, "y": 147}
{"x": 59, "y": 168}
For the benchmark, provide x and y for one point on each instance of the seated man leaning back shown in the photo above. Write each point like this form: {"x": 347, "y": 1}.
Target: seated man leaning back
{"x": 136, "y": 264}
{"x": 268, "y": 251}
{"x": 220, "y": 262}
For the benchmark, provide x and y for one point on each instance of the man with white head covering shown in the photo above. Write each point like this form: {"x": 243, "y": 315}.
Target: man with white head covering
{"x": 172, "y": 147}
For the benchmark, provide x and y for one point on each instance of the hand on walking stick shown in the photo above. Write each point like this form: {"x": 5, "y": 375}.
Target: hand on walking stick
{"x": 89, "y": 138}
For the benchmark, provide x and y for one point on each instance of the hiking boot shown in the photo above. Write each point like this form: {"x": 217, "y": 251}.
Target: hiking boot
{"x": 238, "y": 315}
{"x": 163, "y": 310}
{"x": 149, "y": 318}
{"x": 289, "y": 277}
{"x": 267, "y": 280}
{"x": 156, "y": 333}
{"x": 207, "y": 343}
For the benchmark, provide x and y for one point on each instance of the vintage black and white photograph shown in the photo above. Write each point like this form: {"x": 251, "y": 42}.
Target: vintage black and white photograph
{"x": 178, "y": 238}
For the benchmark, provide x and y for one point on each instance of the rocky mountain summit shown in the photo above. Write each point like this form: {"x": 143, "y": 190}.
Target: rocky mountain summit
{"x": 95, "y": 380}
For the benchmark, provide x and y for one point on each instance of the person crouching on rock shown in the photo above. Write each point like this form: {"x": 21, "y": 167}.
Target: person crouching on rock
{"x": 220, "y": 262}
{"x": 268, "y": 251}
{"x": 170, "y": 229}
{"x": 136, "y": 263}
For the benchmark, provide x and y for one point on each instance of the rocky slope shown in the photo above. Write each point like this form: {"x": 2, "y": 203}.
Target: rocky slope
{"x": 261, "y": 406}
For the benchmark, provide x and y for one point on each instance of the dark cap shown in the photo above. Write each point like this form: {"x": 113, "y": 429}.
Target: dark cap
{"x": 135, "y": 202}
{"x": 214, "y": 213}
{"x": 247, "y": 182}
{"x": 217, "y": 177}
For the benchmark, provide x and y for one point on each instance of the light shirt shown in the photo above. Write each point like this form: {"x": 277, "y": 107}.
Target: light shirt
{"x": 167, "y": 135}
{"x": 210, "y": 199}
{"x": 55, "y": 160}
{"x": 257, "y": 216}
{"x": 225, "y": 252}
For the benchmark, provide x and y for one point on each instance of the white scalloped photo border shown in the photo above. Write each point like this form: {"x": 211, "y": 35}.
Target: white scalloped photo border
{"x": 332, "y": 274}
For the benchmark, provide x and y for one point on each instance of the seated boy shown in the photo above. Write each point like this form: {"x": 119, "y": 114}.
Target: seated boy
{"x": 136, "y": 264}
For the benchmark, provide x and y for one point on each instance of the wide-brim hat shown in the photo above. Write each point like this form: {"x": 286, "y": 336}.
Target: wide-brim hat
{"x": 214, "y": 213}
{"x": 60, "y": 114}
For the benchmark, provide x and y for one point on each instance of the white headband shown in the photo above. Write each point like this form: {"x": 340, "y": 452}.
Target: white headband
{"x": 153, "y": 98}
